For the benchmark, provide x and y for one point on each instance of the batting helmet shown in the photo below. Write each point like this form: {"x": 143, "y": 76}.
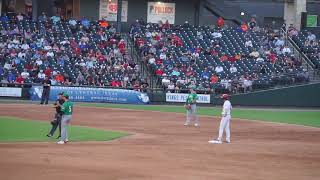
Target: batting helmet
{"x": 225, "y": 96}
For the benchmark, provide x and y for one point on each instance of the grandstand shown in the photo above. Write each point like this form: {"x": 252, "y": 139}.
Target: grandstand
{"x": 229, "y": 54}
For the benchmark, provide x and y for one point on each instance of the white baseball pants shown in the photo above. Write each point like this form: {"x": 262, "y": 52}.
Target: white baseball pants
{"x": 225, "y": 125}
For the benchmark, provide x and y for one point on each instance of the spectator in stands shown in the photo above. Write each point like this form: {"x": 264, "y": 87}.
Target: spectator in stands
{"x": 175, "y": 72}
{"x": 253, "y": 23}
{"x": 254, "y": 54}
{"x": 286, "y": 50}
{"x": 311, "y": 37}
{"x": 165, "y": 81}
{"x": 205, "y": 74}
{"x": 233, "y": 69}
{"x": 248, "y": 43}
{"x": 244, "y": 27}
{"x": 279, "y": 42}
{"x": 85, "y": 22}
{"x": 43, "y": 17}
{"x": 226, "y": 83}
{"x": 25, "y": 74}
{"x": 247, "y": 84}
{"x": 11, "y": 77}
{"x": 19, "y": 17}
{"x": 220, "y": 22}
{"x": 218, "y": 69}
{"x": 216, "y": 34}
{"x": 171, "y": 87}
{"x": 292, "y": 31}
{"x": 260, "y": 60}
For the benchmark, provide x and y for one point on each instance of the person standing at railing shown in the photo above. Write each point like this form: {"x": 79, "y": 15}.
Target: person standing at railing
{"x": 46, "y": 91}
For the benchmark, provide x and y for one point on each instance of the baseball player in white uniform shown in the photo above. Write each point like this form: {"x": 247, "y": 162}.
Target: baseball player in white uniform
{"x": 225, "y": 121}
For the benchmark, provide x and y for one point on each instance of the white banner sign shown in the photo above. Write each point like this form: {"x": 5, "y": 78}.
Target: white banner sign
{"x": 10, "y": 92}
{"x": 109, "y": 8}
{"x": 179, "y": 97}
{"x": 159, "y": 11}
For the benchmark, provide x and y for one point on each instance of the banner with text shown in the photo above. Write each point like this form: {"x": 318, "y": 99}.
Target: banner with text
{"x": 159, "y": 11}
{"x": 10, "y": 92}
{"x": 109, "y": 8}
{"x": 179, "y": 97}
{"x": 87, "y": 94}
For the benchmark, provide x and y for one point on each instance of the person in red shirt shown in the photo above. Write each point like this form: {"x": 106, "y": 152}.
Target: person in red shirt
{"x": 166, "y": 25}
{"x": 20, "y": 79}
{"x": 220, "y": 22}
{"x": 232, "y": 59}
{"x": 139, "y": 42}
{"x": 159, "y": 72}
{"x": 273, "y": 58}
{"x": 244, "y": 27}
{"x": 103, "y": 23}
{"x": 223, "y": 58}
{"x": 114, "y": 83}
{"x": 122, "y": 46}
{"x": 59, "y": 78}
{"x": 47, "y": 72}
{"x": 214, "y": 79}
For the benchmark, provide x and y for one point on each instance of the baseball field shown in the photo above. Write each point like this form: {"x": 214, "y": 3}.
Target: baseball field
{"x": 112, "y": 141}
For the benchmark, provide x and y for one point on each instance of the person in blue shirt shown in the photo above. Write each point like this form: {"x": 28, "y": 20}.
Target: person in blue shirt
{"x": 85, "y": 22}
{"x": 205, "y": 74}
{"x": 175, "y": 72}
{"x": 11, "y": 77}
{"x": 1, "y": 71}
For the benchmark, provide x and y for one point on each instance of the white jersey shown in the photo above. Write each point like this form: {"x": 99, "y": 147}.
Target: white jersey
{"x": 226, "y": 108}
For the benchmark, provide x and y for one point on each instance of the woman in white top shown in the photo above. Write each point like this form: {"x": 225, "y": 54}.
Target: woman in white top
{"x": 225, "y": 121}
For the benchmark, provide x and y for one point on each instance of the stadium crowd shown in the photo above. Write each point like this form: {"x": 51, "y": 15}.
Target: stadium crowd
{"x": 67, "y": 52}
{"x": 218, "y": 58}
{"x": 73, "y": 52}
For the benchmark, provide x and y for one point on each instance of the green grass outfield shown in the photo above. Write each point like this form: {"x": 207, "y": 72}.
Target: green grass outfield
{"x": 18, "y": 130}
{"x": 300, "y": 117}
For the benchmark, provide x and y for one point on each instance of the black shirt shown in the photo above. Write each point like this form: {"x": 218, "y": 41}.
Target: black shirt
{"x": 46, "y": 84}
{"x": 60, "y": 101}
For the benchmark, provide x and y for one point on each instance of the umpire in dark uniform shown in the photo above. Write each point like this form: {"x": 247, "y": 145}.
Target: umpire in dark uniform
{"x": 46, "y": 91}
{"x": 57, "y": 121}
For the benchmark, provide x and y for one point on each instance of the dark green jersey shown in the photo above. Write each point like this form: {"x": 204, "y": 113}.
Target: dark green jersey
{"x": 192, "y": 98}
{"x": 67, "y": 108}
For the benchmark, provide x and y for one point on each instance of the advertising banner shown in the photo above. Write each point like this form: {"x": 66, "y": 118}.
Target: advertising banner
{"x": 109, "y": 8}
{"x": 179, "y": 97}
{"x": 87, "y": 94}
{"x": 10, "y": 92}
{"x": 159, "y": 11}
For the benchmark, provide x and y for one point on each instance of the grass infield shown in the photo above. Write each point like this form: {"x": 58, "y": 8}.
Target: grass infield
{"x": 19, "y": 130}
{"x": 299, "y": 117}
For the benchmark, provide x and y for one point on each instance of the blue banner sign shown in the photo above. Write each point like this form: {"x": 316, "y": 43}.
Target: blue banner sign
{"x": 87, "y": 94}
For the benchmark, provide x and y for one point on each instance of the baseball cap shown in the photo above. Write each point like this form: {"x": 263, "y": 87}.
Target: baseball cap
{"x": 225, "y": 96}
{"x": 65, "y": 95}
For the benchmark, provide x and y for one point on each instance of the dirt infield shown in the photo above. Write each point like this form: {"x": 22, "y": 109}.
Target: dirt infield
{"x": 162, "y": 148}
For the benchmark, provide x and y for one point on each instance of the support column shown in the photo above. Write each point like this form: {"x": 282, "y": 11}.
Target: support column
{"x": 292, "y": 12}
{"x": 34, "y": 9}
{"x": 119, "y": 13}
{"x": 300, "y": 6}
{"x": 0, "y": 7}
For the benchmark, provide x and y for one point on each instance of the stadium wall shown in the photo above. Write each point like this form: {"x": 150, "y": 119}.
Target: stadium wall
{"x": 296, "y": 96}
{"x": 300, "y": 96}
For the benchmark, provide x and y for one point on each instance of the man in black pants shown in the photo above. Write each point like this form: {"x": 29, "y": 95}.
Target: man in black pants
{"x": 46, "y": 91}
{"x": 57, "y": 121}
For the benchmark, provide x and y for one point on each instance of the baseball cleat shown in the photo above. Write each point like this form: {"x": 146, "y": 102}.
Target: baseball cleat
{"x": 186, "y": 124}
{"x": 196, "y": 124}
{"x": 49, "y": 135}
{"x": 215, "y": 142}
{"x": 60, "y": 142}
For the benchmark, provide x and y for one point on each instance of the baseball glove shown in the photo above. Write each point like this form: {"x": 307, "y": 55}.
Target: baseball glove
{"x": 54, "y": 122}
{"x": 187, "y": 106}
